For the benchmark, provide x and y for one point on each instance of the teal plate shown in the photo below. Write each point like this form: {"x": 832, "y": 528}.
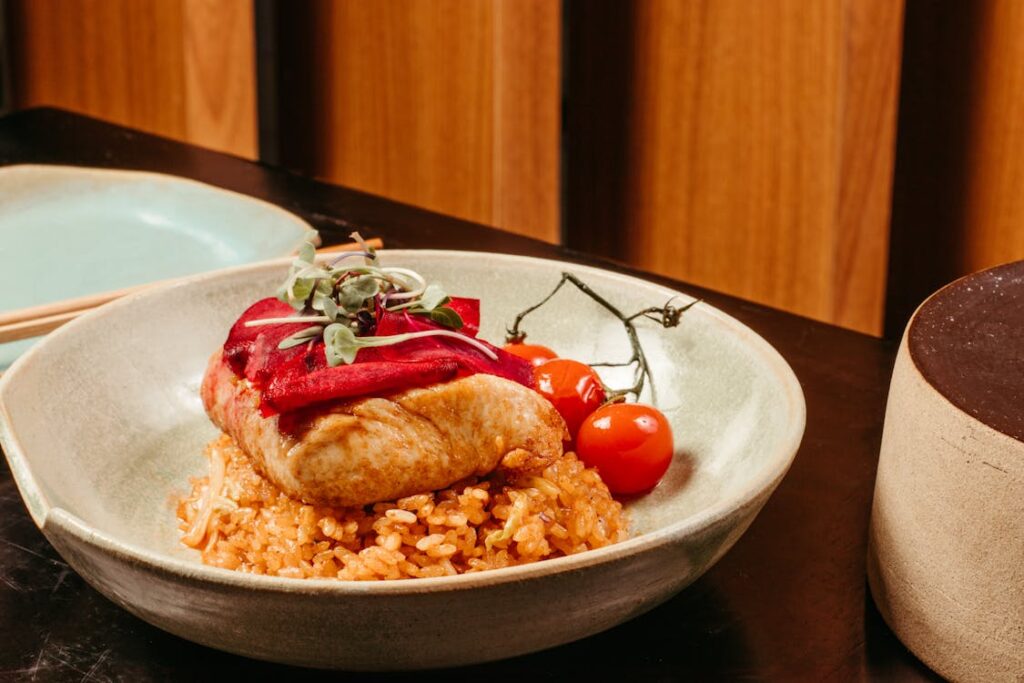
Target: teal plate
{"x": 67, "y": 232}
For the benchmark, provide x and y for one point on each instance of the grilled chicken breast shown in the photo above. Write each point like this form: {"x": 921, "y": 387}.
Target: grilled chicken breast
{"x": 375, "y": 449}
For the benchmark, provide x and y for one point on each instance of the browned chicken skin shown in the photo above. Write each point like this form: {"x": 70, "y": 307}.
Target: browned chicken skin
{"x": 374, "y": 449}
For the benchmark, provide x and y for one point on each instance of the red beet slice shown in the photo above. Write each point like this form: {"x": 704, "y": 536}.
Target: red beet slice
{"x": 470, "y": 359}
{"x": 469, "y": 311}
{"x": 266, "y": 358}
{"x": 292, "y": 391}
{"x": 292, "y": 379}
{"x": 242, "y": 339}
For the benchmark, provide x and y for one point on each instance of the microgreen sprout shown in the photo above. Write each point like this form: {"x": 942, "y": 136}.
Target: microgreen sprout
{"x": 342, "y": 344}
{"x": 666, "y": 316}
{"x": 340, "y": 300}
{"x": 351, "y": 254}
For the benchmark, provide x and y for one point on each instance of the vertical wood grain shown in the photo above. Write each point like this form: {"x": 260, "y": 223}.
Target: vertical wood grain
{"x": 184, "y": 69}
{"x": 407, "y": 101}
{"x": 993, "y": 221}
{"x": 758, "y": 158}
{"x": 958, "y": 202}
{"x": 735, "y": 149}
{"x": 220, "y": 74}
{"x": 873, "y": 47}
{"x": 453, "y": 105}
{"x": 528, "y": 117}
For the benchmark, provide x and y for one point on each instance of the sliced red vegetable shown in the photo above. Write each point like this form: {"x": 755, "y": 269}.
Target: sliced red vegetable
{"x": 265, "y": 357}
{"x": 297, "y": 377}
{"x": 629, "y": 444}
{"x": 242, "y": 339}
{"x": 534, "y": 353}
{"x": 470, "y": 359}
{"x": 469, "y": 311}
{"x": 291, "y": 391}
{"x": 266, "y": 361}
{"x": 572, "y": 387}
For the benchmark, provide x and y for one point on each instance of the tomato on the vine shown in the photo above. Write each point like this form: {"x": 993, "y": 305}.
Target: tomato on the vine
{"x": 535, "y": 353}
{"x": 629, "y": 444}
{"x": 572, "y": 387}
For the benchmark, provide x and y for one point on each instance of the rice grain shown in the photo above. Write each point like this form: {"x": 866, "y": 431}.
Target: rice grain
{"x": 474, "y": 525}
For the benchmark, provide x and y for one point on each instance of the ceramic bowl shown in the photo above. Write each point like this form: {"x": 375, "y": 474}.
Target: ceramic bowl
{"x": 102, "y": 426}
{"x": 946, "y": 544}
{"x": 106, "y": 230}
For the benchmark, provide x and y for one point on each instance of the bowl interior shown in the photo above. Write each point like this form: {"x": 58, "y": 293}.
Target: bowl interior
{"x": 106, "y": 421}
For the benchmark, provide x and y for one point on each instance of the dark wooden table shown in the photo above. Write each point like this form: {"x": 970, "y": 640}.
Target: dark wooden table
{"x": 788, "y": 602}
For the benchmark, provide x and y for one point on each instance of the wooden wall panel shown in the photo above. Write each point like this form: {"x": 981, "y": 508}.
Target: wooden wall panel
{"x": 873, "y": 45}
{"x": 453, "y": 105}
{"x": 735, "y": 150}
{"x": 758, "y": 149}
{"x": 528, "y": 117}
{"x": 993, "y": 220}
{"x": 220, "y": 74}
{"x": 407, "y": 101}
{"x": 180, "y": 68}
{"x": 958, "y": 203}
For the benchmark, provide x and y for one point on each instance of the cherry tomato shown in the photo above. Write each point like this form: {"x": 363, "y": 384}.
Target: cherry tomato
{"x": 629, "y": 444}
{"x": 572, "y": 387}
{"x": 535, "y": 353}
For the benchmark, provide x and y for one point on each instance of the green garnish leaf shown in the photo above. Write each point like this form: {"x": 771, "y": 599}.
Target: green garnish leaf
{"x": 366, "y": 285}
{"x": 322, "y": 300}
{"x": 340, "y": 344}
{"x": 354, "y": 292}
{"x": 302, "y": 288}
{"x": 330, "y": 308}
{"x": 300, "y": 337}
{"x": 307, "y": 252}
{"x": 341, "y": 295}
{"x": 432, "y": 297}
{"x": 447, "y": 317}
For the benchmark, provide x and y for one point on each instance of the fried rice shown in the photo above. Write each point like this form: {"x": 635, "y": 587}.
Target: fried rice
{"x": 241, "y": 521}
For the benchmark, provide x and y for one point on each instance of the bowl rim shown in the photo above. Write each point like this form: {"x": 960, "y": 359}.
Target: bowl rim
{"x": 291, "y": 228}
{"x": 46, "y": 516}
{"x": 295, "y": 222}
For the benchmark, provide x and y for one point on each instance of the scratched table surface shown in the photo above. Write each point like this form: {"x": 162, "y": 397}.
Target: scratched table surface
{"x": 788, "y": 602}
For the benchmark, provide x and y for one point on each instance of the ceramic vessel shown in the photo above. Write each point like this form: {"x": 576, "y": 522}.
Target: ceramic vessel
{"x": 946, "y": 551}
{"x": 102, "y": 424}
{"x": 104, "y": 230}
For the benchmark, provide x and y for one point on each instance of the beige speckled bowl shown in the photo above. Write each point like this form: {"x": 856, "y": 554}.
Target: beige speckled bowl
{"x": 946, "y": 545}
{"x": 102, "y": 424}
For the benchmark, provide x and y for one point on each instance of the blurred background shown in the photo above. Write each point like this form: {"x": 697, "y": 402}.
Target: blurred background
{"x": 839, "y": 159}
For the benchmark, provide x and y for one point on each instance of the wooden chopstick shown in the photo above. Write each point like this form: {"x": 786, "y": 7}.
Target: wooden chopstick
{"x": 37, "y": 326}
{"x": 34, "y": 321}
{"x": 374, "y": 242}
{"x": 33, "y": 313}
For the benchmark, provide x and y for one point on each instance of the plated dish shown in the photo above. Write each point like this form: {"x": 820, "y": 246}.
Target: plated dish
{"x": 368, "y": 432}
{"x": 97, "y": 474}
{"x": 109, "y": 230}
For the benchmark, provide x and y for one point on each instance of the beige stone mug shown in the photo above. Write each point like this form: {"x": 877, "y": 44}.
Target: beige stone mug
{"x": 946, "y": 544}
